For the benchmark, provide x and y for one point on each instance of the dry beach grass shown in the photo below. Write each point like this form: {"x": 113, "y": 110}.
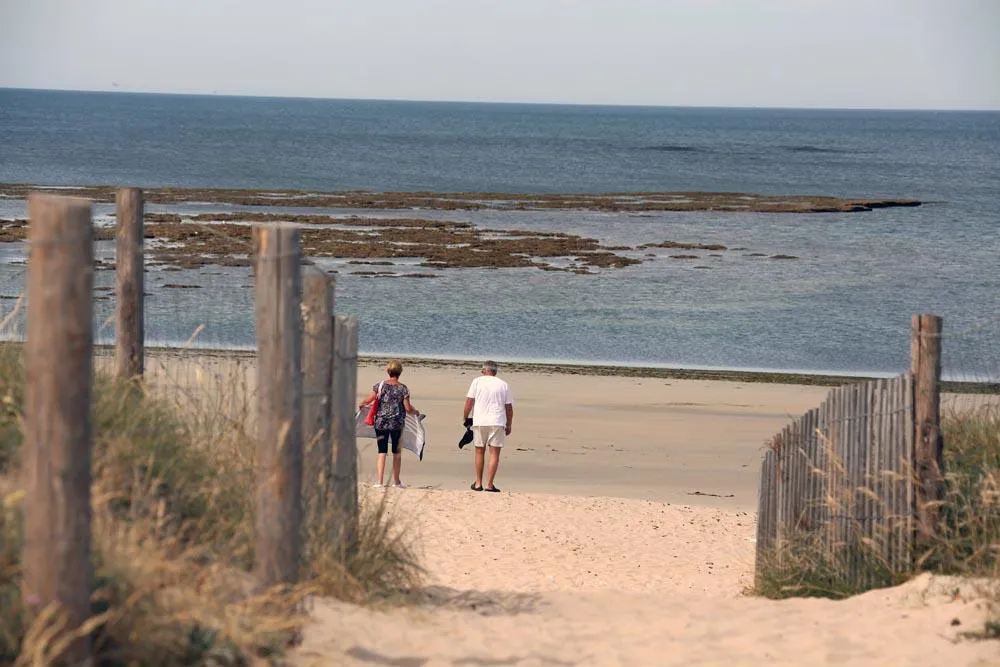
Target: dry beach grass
{"x": 173, "y": 495}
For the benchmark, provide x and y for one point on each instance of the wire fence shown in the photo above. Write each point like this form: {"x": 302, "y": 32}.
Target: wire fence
{"x": 199, "y": 325}
{"x": 970, "y": 359}
{"x": 198, "y": 309}
{"x": 83, "y": 368}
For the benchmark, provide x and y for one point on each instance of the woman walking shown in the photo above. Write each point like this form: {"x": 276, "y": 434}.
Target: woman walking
{"x": 393, "y": 406}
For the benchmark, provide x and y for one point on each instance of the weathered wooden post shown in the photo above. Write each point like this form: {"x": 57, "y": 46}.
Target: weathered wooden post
{"x": 925, "y": 352}
{"x": 345, "y": 448}
{"x": 278, "y": 294}
{"x": 130, "y": 331}
{"x": 317, "y": 378}
{"x": 57, "y": 427}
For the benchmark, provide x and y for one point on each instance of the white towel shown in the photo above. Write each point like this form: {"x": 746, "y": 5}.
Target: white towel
{"x": 414, "y": 436}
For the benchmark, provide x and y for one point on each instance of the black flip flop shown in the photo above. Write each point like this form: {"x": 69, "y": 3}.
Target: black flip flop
{"x": 476, "y": 488}
{"x": 492, "y": 490}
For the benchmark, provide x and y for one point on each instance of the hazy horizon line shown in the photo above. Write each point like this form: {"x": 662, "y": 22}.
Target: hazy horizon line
{"x": 119, "y": 91}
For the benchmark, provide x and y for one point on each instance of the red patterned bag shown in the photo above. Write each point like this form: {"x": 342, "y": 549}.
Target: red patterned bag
{"x": 370, "y": 419}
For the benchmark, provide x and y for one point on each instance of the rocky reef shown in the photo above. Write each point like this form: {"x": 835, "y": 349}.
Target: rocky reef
{"x": 610, "y": 202}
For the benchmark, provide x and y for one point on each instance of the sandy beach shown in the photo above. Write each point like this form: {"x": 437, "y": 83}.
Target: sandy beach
{"x": 702, "y": 239}
{"x": 648, "y": 438}
{"x": 534, "y": 579}
{"x": 667, "y": 440}
{"x": 624, "y": 535}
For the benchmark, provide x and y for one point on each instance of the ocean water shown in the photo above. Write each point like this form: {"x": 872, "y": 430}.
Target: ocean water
{"x": 843, "y": 306}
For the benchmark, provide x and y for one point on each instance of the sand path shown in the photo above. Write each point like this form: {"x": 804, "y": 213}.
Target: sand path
{"x": 526, "y": 579}
{"x": 624, "y": 536}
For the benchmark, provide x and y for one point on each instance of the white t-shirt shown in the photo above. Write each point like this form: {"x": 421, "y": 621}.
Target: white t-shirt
{"x": 491, "y": 395}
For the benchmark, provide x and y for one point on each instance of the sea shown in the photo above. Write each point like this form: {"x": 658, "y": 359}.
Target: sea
{"x": 843, "y": 306}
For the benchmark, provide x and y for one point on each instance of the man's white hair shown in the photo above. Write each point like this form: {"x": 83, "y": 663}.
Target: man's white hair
{"x": 490, "y": 367}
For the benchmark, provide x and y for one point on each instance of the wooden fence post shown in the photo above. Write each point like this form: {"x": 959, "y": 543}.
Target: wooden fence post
{"x": 278, "y": 294}
{"x": 317, "y": 384}
{"x": 57, "y": 426}
{"x": 130, "y": 332}
{"x": 345, "y": 448}
{"x": 928, "y": 447}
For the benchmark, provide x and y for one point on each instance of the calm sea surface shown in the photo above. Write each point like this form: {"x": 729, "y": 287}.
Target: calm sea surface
{"x": 843, "y": 306}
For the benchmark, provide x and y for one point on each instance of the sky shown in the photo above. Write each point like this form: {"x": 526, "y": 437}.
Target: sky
{"x": 924, "y": 54}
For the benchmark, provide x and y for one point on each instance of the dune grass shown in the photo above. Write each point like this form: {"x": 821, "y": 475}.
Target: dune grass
{"x": 805, "y": 567}
{"x": 968, "y": 537}
{"x": 966, "y": 543}
{"x": 172, "y": 539}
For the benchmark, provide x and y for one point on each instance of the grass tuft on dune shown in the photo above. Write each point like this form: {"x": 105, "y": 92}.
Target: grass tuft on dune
{"x": 966, "y": 543}
{"x": 172, "y": 539}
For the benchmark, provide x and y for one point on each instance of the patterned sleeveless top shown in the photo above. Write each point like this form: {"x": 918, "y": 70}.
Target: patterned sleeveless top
{"x": 391, "y": 414}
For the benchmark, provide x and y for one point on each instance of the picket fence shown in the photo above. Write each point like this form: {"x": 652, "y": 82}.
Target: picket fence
{"x": 841, "y": 477}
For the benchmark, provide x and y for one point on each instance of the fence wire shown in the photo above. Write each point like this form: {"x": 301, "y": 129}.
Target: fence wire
{"x": 199, "y": 317}
{"x": 970, "y": 360}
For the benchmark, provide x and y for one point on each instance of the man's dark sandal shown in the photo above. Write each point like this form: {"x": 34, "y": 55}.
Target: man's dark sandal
{"x": 476, "y": 488}
{"x": 492, "y": 490}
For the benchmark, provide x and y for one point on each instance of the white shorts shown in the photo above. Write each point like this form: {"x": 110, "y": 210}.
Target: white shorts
{"x": 494, "y": 436}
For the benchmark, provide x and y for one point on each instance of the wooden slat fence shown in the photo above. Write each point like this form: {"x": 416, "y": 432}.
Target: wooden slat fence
{"x": 58, "y": 434}
{"x": 840, "y": 477}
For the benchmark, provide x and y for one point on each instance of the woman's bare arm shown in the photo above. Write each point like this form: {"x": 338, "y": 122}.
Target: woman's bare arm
{"x": 368, "y": 401}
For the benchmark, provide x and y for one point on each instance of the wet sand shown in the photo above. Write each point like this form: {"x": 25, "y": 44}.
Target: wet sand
{"x": 658, "y": 439}
{"x": 653, "y": 438}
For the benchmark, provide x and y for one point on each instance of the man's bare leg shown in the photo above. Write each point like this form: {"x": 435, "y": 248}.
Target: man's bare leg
{"x": 480, "y": 461}
{"x": 494, "y": 464}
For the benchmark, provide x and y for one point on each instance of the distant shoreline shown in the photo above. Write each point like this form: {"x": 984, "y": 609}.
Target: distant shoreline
{"x": 802, "y": 378}
{"x": 600, "y": 369}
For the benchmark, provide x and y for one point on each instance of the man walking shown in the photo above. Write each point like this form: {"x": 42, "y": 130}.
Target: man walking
{"x": 491, "y": 404}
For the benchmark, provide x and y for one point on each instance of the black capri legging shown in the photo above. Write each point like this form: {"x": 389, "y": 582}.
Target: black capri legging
{"x": 382, "y": 437}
